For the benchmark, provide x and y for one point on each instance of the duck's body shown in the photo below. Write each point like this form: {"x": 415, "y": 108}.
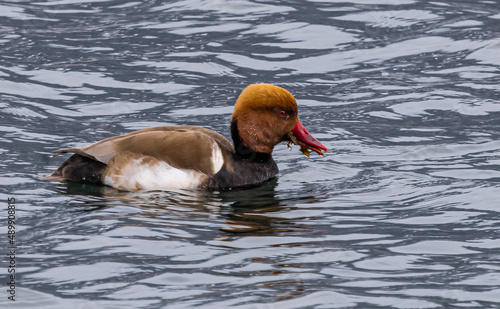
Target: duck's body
{"x": 185, "y": 157}
{"x": 189, "y": 157}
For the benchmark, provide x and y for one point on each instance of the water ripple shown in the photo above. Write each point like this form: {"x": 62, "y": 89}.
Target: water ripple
{"x": 401, "y": 213}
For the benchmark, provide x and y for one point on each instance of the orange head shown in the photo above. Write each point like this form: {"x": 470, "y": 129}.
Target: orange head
{"x": 265, "y": 115}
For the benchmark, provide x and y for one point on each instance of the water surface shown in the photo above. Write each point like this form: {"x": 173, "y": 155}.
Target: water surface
{"x": 402, "y": 213}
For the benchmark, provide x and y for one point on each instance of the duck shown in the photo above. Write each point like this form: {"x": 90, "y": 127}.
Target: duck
{"x": 192, "y": 157}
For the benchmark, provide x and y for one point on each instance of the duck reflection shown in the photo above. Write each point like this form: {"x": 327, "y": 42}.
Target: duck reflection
{"x": 245, "y": 211}
{"x": 249, "y": 209}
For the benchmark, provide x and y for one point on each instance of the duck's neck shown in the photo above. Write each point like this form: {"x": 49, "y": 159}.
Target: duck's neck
{"x": 244, "y": 153}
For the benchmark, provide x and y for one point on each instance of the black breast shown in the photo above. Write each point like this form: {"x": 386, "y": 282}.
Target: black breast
{"x": 246, "y": 167}
{"x": 246, "y": 173}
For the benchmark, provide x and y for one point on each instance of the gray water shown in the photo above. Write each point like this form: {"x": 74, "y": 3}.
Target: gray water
{"x": 403, "y": 212}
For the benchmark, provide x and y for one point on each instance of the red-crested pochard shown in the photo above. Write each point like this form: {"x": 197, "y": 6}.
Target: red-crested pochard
{"x": 189, "y": 157}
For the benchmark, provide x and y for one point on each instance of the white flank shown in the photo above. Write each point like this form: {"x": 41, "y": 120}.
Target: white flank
{"x": 138, "y": 175}
{"x": 217, "y": 158}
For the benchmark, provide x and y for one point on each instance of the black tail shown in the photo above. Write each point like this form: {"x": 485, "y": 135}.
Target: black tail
{"x": 80, "y": 169}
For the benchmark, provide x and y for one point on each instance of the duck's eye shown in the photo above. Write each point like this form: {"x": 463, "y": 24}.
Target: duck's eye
{"x": 282, "y": 113}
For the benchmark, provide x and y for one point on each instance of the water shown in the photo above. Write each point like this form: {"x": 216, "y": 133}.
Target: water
{"x": 402, "y": 213}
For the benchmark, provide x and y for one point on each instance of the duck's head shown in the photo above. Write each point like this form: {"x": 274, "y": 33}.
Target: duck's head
{"x": 265, "y": 115}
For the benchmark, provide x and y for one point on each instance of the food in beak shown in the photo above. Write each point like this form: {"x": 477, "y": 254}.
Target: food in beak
{"x": 300, "y": 136}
